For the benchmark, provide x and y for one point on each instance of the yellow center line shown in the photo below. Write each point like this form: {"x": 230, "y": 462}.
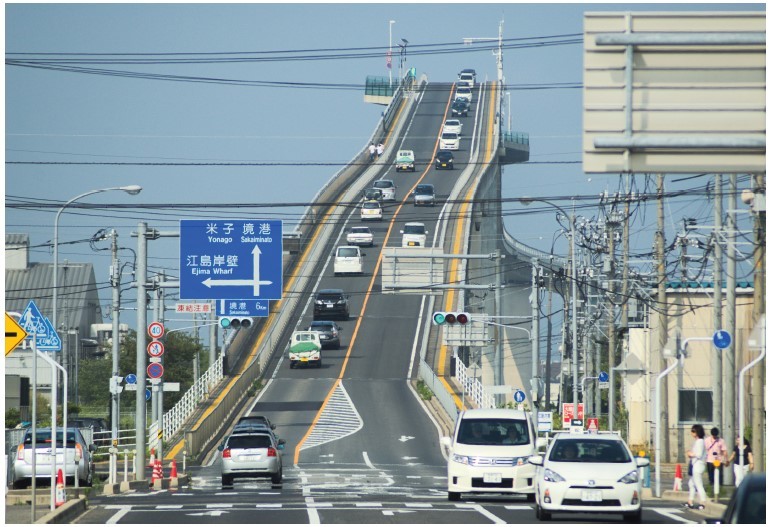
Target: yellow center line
{"x": 363, "y": 307}
{"x": 449, "y": 299}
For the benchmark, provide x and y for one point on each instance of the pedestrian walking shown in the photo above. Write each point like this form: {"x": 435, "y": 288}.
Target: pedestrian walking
{"x": 697, "y": 456}
{"x": 735, "y": 459}
{"x": 716, "y": 449}
{"x": 380, "y": 150}
{"x": 372, "y": 151}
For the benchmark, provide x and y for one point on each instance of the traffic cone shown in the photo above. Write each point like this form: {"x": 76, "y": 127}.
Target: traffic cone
{"x": 61, "y": 496}
{"x": 152, "y": 458}
{"x": 157, "y": 471}
{"x": 678, "y": 477}
{"x": 173, "y": 469}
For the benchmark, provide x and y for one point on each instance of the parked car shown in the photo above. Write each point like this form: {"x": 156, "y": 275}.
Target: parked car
{"x": 331, "y": 303}
{"x": 348, "y": 259}
{"x": 488, "y": 453}
{"x": 593, "y": 473}
{"x": 388, "y": 188}
{"x": 414, "y": 235}
{"x": 445, "y": 159}
{"x": 360, "y": 235}
{"x": 404, "y": 160}
{"x": 75, "y": 458}
{"x": 449, "y": 141}
{"x": 252, "y": 455}
{"x": 460, "y": 107}
{"x": 453, "y": 125}
{"x": 748, "y": 503}
{"x": 329, "y": 332}
{"x": 424, "y": 194}
{"x": 371, "y": 210}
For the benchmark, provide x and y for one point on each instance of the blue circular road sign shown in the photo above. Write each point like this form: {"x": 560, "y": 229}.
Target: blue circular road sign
{"x": 155, "y": 370}
{"x": 519, "y": 396}
{"x": 147, "y": 394}
{"x": 722, "y": 339}
{"x": 604, "y": 376}
{"x": 131, "y": 378}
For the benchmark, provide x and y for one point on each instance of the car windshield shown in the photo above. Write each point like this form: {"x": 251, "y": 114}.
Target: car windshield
{"x": 321, "y": 326}
{"x": 454, "y": 122}
{"x": 589, "y": 451}
{"x": 44, "y": 438}
{"x": 414, "y": 229}
{"x": 443, "y": 155}
{"x": 424, "y": 189}
{"x": 347, "y": 252}
{"x": 249, "y": 441}
{"x": 449, "y": 135}
{"x": 493, "y": 431}
{"x": 359, "y": 230}
{"x": 371, "y": 205}
{"x": 383, "y": 184}
{"x": 329, "y": 297}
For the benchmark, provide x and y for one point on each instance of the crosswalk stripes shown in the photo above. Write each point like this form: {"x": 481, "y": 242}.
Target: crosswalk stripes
{"x": 339, "y": 419}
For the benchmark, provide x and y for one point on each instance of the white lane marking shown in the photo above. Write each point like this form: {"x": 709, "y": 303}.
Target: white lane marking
{"x": 518, "y": 507}
{"x": 339, "y": 419}
{"x": 420, "y": 505}
{"x": 312, "y": 513}
{"x": 404, "y": 439}
{"x": 219, "y": 506}
{"x": 369, "y": 504}
{"x": 368, "y": 462}
{"x": 387, "y": 513}
{"x": 161, "y": 507}
{"x": 269, "y": 505}
{"x": 671, "y": 514}
{"x": 122, "y": 511}
{"x": 488, "y": 514}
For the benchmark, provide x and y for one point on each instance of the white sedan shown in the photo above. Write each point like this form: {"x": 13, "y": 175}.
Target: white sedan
{"x": 593, "y": 473}
{"x": 371, "y": 210}
{"x": 360, "y": 236}
{"x": 454, "y": 126}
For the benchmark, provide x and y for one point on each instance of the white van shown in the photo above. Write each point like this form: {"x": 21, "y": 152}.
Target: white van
{"x": 464, "y": 92}
{"x": 470, "y": 78}
{"x": 348, "y": 260}
{"x": 414, "y": 235}
{"x": 488, "y": 453}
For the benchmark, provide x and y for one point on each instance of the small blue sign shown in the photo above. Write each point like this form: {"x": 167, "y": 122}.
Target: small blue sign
{"x": 130, "y": 378}
{"x": 243, "y": 308}
{"x": 222, "y": 259}
{"x": 603, "y": 376}
{"x": 147, "y": 394}
{"x": 34, "y": 323}
{"x": 519, "y": 396}
{"x": 722, "y": 339}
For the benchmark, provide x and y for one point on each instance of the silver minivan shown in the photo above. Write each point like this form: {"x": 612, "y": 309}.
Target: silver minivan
{"x": 348, "y": 260}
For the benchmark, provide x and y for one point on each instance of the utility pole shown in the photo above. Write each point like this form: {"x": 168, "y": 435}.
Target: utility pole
{"x": 141, "y": 350}
{"x": 758, "y": 377}
{"x": 535, "y": 327}
{"x": 660, "y": 249}
{"x": 729, "y": 396}
{"x": 161, "y": 317}
{"x": 155, "y": 318}
{"x": 549, "y": 333}
{"x": 612, "y": 223}
{"x": 716, "y": 354}
{"x": 115, "y": 395}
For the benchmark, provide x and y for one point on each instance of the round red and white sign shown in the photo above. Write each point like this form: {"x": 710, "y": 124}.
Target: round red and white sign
{"x": 155, "y": 348}
{"x": 156, "y": 330}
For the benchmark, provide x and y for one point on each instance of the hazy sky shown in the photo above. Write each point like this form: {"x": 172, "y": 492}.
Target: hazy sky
{"x": 63, "y": 117}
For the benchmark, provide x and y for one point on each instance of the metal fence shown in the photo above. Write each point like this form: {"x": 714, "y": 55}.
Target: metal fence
{"x": 182, "y": 410}
{"x": 473, "y": 387}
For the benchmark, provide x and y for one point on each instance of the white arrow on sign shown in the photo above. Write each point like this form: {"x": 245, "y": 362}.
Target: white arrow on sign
{"x": 256, "y": 282}
{"x": 208, "y": 513}
{"x": 404, "y": 439}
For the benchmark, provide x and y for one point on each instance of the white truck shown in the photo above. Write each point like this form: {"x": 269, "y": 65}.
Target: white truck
{"x": 305, "y": 349}
{"x": 405, "y": 160}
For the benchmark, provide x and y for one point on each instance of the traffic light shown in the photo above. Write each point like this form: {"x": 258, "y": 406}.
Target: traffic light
{"x": 441, "y": 318}
{"x": 235, "y": 322}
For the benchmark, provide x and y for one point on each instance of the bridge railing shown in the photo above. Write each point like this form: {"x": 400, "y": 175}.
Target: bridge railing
{"x": 473, "y": 387}
{"x": 185, "y": 407}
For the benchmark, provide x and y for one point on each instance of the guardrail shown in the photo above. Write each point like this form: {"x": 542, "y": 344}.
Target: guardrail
{"x": 473, "y": 387}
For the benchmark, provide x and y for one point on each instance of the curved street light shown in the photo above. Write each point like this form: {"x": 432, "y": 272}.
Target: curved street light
{"x": 575, "y": 372}
{"x": 130, "y": 189}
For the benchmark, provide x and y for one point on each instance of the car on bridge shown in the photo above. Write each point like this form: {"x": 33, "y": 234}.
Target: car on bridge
{"x": 305, "y": 349}
{"x": 445, "y": 159}
{"x": 371, "y": 210}
{"x": 329, "y": 332}
{"x": 331, "y": 303}
{"x": 405, "y": 160}
{"x": 360, "y": 235}
{"x": 594, "y": 473}
{"x": 449, "y": 141}
{"x": 424, "y": 194}
{"x": 453, "y": 125}
{"x": 465, "y": 93}
{"x": 252, "y": 455}
{"x": 468, "y": 76}
{"x": 460, "y": 107}
{"x": 348, "y": 259}
{"x": 388, "y": 188}
{"x": 414, "y": 235}
{"x": 256, "y": 419}
{"x": 372, "y": 194}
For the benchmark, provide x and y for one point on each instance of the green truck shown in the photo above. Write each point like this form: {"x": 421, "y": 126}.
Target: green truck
{"x": 404, "y": 160}
{"x": 305, "y": 349}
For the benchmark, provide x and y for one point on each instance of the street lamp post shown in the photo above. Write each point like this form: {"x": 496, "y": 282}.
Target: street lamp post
{"x": 131, "y": 189}
{"x": 573, "y": 323}
{"x": 390, "y": 53}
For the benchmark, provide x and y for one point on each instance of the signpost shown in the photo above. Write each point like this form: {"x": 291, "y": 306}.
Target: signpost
{"x": 155, "y": 348}
{"x": 567, "y": 413}
{"x": 155, "y": 370}
{"x": 243, "y": 308}
{"x": 593, "y": 425}
{"x": 519, "y": 396}
{"x": 156, "y": 330}
{"x": 14, "y": 334}
{"x": 32, "y": 321}
{"x": 722, "y": 339}
{"x": 222, "y": 259}
{"x": 544, "y": 421}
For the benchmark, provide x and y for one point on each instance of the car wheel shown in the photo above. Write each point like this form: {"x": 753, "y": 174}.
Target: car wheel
{"x": 292, "y": 364}
{"x": 19, "y": 484}
{"x": 277, "y": 478}
{"x": 337, "y": 346}
{"x": 633, "y": 517}
{"x": 454, "y": 496}
{"x": 227, "y": 481}
{"x": 318, "y": 364}
{"x": 542, "y": 515}
{"x": 531, "y": 498}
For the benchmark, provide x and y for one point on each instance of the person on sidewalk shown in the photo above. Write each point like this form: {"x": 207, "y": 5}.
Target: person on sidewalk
{"x": 717, "y": 449}
{"x": 697, "y": 456}
{"x": 735, "y": 459}
{"x": 380, "y": 150}
{"x": 372, "y": 152}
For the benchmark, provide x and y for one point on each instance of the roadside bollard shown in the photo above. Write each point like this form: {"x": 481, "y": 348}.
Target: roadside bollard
{"x": 125, "y": 464}
{"x": 716, "y": 480}
{"x": 133, "y": 462}
{"x": 645, "y": 471}
{"x": 184, "y": 461}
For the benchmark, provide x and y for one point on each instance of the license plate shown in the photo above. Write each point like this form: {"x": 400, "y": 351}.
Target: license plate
{"x": 413, "y": 244}
{"x": 493, "y": 478}
{"x": 329, "y": 305}
{"x": 303, "y": 359}
{"x": 248, "y": 458}
{"x": 443, "y": 164}
{"x": 591, "y": 495}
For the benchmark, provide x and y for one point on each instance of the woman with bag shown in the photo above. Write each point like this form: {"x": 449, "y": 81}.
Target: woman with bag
{"x": 697, "y": 456}
{"x": 748, "y": 460}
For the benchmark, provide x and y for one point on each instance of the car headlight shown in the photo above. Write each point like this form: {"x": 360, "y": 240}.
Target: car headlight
{"x": 553, "y": 477}
{"x": 319, "y": 302}
{"x": 631, "y": 477}
{"x": 465, "y": 460}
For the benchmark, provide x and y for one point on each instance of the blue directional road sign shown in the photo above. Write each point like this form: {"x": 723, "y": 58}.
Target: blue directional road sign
{"x": 222, "y": 259}
{"x": 130, "y": 378}
{"x": 603, "y": 376}
{"x": 243, "y": 308}
{"x": 722, "y": 339}
{"x": 147, "y": 394}
{"x": 34, "y": 323}
{"x": 519, "y": 396}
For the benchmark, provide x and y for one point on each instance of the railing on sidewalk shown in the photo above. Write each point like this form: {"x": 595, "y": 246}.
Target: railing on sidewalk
{"x": 182, "y": 410}
{"x": 473, "y": 387}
